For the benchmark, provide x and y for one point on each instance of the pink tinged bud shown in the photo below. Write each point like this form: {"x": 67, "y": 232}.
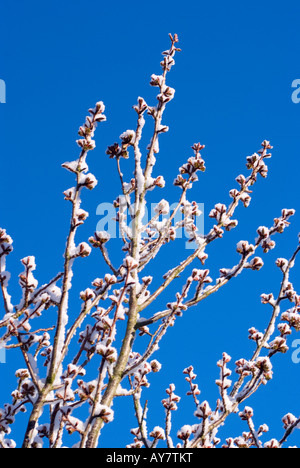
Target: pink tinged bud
{"x": 162, "y": 208}
{"x": 86, "y": 144}
{"x": 158, "y": 433}
{"x": 130, "y": 263}
{"x": 246, "y": 414}
{"x": 110, "y": 279}
{"x": 203, "y": 411}
{"x": 89, "y": 181}
{"x": 244, "y": 248}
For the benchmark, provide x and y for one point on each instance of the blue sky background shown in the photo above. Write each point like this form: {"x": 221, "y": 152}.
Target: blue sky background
{"x": 233, "y": 90}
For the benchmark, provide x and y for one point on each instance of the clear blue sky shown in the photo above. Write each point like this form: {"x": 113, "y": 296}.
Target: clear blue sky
{"x": 233, "y": 90}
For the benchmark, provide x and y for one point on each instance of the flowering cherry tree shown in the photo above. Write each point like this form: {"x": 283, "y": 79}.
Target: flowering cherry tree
{"x": 53, "y": 378}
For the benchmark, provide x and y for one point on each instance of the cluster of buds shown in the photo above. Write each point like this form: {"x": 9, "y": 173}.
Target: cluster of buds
{"x": 278, "y": 345}
{"x": 138, "y": 443}
{"x": 264, "y": 239}
{"x": 87, "y": 180}
{"x": 190, "y": 210}
{"x": 83, "y": 250}
{"x": 141, "y": 106}
{"x": 130, "y": 263}
{"x": 267, "y": 299}
{"x": 194, "y": 389}
{"x": 255, "y": 335}
{"x": 170, "y": 403}
{"x": 121, "y": 151}
{"x": 79, "y": 217}
{"x": 224, "y": 383}
{"x": 255, "y": 264}
{"x": 248, "y": 439}
{"x": 283, "y": 221}
{"x": 292, "y": 317}
{"x": 201, "y": 276}
{"x": 72, "y": 424}
{"x": 168, "y": 60}
{"x": 157, "y": 182}
{"x": 245, "y": 249}
{"x": 100, "y": 238}
{"x": 257, "y": 165}
{"x": 241, "y": 442}
{"x": 140, "y": 373}
{"x": 87, "y": 295}
{"x": 203, "y": 411}
{"x": 256, "y": 162}
{"x": 246, "y": 414}
{"x": 166, "y": 95}
{"x": 7, "y": 417}
{"x": 27, "y": 280}
{"x": 99, "y": 337}
{"x": 261, "y": 366}
{"x": 86, "y": 391}
{"x": 26, "y": 389}
{"x": 162, "y": 208}
{"x": 5, "y": 243}
{"x": 108, "y": 352}
{"x": 88, "y": 129}
{"x": 105, "y": 413}
{"x": 157, "y": 434}
{"x": 243, "y": 196}
{"x": 190, "y": 169}
{"x": 219, "y": 213}
{"x": 289, "y": 420}
{"x": 282, "y": 263}
{"x": 143, "y": 293}
{"x": 116, "y": 151}
{"x": 186, "y": 431}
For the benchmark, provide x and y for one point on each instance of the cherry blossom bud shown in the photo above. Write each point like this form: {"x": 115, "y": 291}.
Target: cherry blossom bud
{"x": 29, "y": 262}
{"x": 279, "y": 345}
{"x": 255, "y": 335}
{"x": 263, "y": 232}
{"x": 158, "y": 433}
{"x": 267, "y": 299}
{"x": 244, "y": 248}
{"x": 83, "y": 250}
{"x": 282, "y": 263}
{"x": 246, "y": 414}
{"x": 162, "y": 208}
{"x": 160, "y": 182}
{"x": 156, "y": 80}
{"x": 203, "y": 410}
{"x": 105, "y": 413}
{"x": 284, "y": 329}
{"x": 289, "y": 420}
{"x": 241, "y": 179}
{"x": 4, "y": 238}
{"x": 87, "y": 295}
{"x": 110, "y": 279}
{"x": 89, "y": 181}
{"x": 100, "y": 238}
{"x": 155, "y": 365}
{"x": 185, "y": 432}
{"x": 256, "y": 264}
{"x": 86, "y": 145}
{"x": 130, "y": 263}
{"x": 272, "y": 444}
{"x": 141, "y": 107}
{"x": 22, "y": 374}
{"x": 128, "y": 137}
